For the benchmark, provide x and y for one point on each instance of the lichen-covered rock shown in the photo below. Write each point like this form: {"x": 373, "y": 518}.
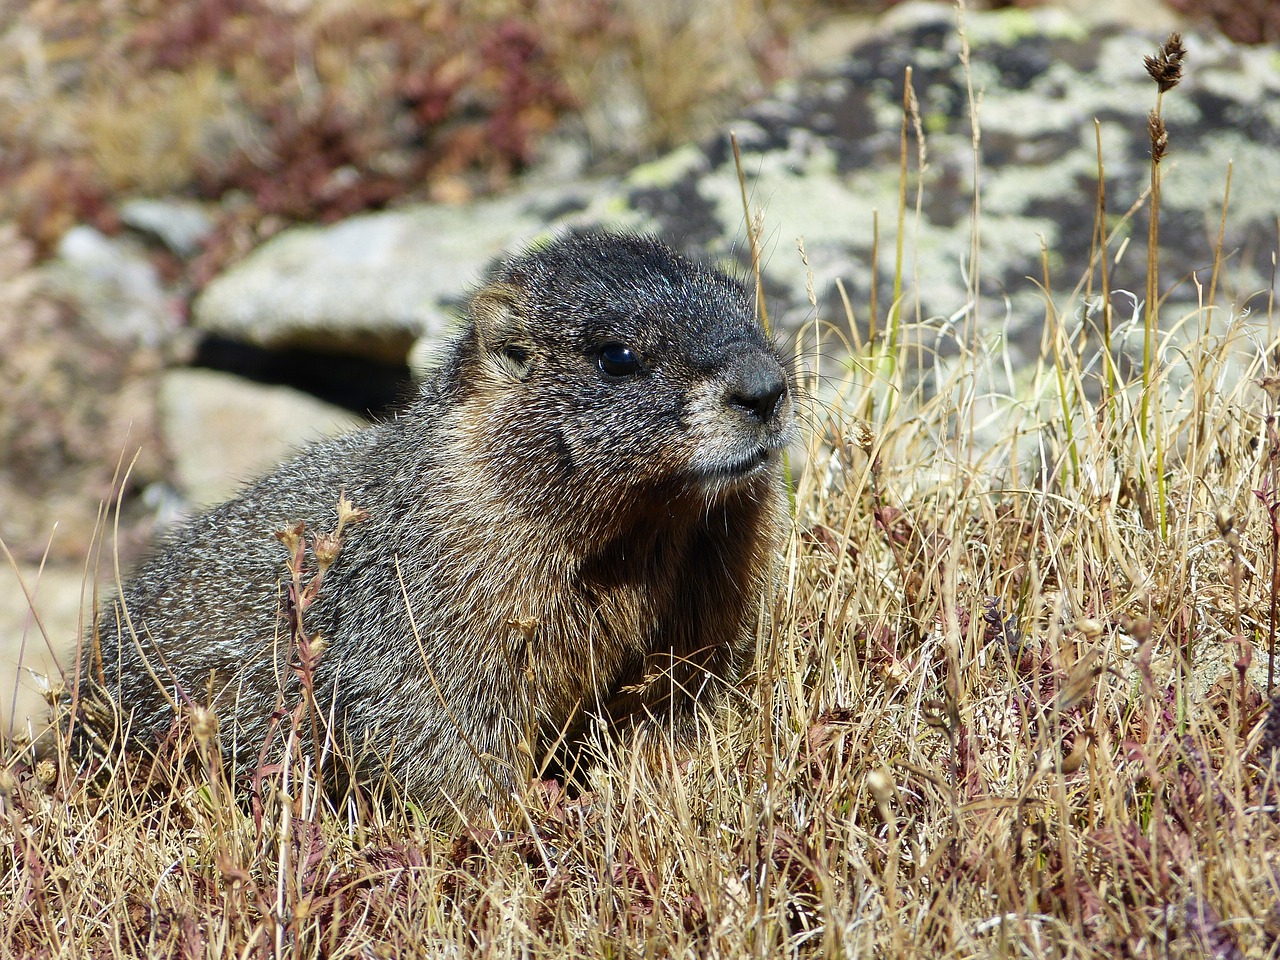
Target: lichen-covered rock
{"x": 821, "y": 157}
{"x": 76, "y": 402}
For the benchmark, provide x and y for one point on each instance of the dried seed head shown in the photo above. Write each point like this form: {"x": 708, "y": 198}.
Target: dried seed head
{"x": 47, "y": 772}
{"x": 1271, "y": 386}
{"x": 1165, "y": 68}
{"x": 291, "y": 536}
{"x": 349, "y": 512}
{"x": 1090, "y": 627}
{"x": 327, "y": 547}
{"x": 1225, "y": 519}
{"x": 859, "y": 434}
{"x": 1081, "y": 680}
{"x": 1159, "y": 136}
{"x": 883, "y": 792}
{"x": 527, "y": 626}
{"x": 53, "y": 693}
{"x": 895, "y": 674}
{"x": 204, "y": 724}
{"x": 1072, "y": 761}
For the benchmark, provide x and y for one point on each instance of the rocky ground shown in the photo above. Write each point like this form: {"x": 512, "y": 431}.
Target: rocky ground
{"x": 125, "y": 389}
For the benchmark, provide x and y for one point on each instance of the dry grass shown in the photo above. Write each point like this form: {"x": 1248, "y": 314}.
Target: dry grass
{"x": 288, "y": 112}
{"x": 1007, "y": 702}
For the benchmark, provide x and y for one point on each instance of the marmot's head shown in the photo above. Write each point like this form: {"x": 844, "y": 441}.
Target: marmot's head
{"x": 609, "y": 366}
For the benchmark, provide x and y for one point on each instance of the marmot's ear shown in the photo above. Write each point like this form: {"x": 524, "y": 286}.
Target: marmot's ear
{"x": 497, "y": 310}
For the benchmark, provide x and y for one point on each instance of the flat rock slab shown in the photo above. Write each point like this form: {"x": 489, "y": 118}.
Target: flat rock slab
{"x": 373, "y": 284}
{"x": 223, "y": 431}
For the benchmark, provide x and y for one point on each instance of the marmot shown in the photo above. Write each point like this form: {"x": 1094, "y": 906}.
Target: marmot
{"x": 574, "y": 518}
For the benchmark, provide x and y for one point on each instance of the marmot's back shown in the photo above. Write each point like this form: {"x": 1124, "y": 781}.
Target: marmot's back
{"x": 574, "y": 518}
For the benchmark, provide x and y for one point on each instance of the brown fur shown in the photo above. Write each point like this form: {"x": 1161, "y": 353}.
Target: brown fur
{"x": 553, "y": 535}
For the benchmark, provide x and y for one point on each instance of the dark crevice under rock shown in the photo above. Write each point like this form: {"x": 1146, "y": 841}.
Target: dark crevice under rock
{"x": 364, "y": 386}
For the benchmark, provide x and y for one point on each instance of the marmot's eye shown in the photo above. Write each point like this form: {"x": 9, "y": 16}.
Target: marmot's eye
{"x": 618, "y": 360}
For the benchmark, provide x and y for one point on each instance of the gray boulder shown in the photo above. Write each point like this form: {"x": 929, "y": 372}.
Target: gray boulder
{"x": 222, "y": 430}
{"x": 114, "y": 287}
{"x": 373, "y": 284}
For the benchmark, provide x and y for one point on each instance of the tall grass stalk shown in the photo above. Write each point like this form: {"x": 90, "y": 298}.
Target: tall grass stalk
{"x": 1165, "y": 68}
{"x": 1066, "y": 398}
{"x": 1098, "y": 253}
{"x": 973, "y": 323}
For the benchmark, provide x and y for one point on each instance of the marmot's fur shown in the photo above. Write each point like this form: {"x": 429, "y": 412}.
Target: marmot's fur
{"x": 574, "y": 518}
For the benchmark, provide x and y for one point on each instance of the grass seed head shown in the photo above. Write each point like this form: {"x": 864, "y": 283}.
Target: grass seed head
{"x": 1225, "y": 521}
{"x": 203, "y": 724}
{"x": 1159, "y": 136}
{"x": 1165, "y": 68}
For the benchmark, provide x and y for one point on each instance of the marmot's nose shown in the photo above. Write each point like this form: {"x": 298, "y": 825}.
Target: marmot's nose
{"x": 757, "y": 385}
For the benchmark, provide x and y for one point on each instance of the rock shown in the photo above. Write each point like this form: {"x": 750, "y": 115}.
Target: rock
{"x": 223, "y": 431}
{"x": 27, "y": 660}
{"x": 114, "y": 287}
{"x": 180, "y": 225}
{"x": 821, "y": 157}
{"x": 373, "y": 284}
{"x": 77, "y": 419}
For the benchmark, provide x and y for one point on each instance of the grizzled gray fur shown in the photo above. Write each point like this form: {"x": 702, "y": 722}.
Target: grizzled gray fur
{"x": 574, "y": 518}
